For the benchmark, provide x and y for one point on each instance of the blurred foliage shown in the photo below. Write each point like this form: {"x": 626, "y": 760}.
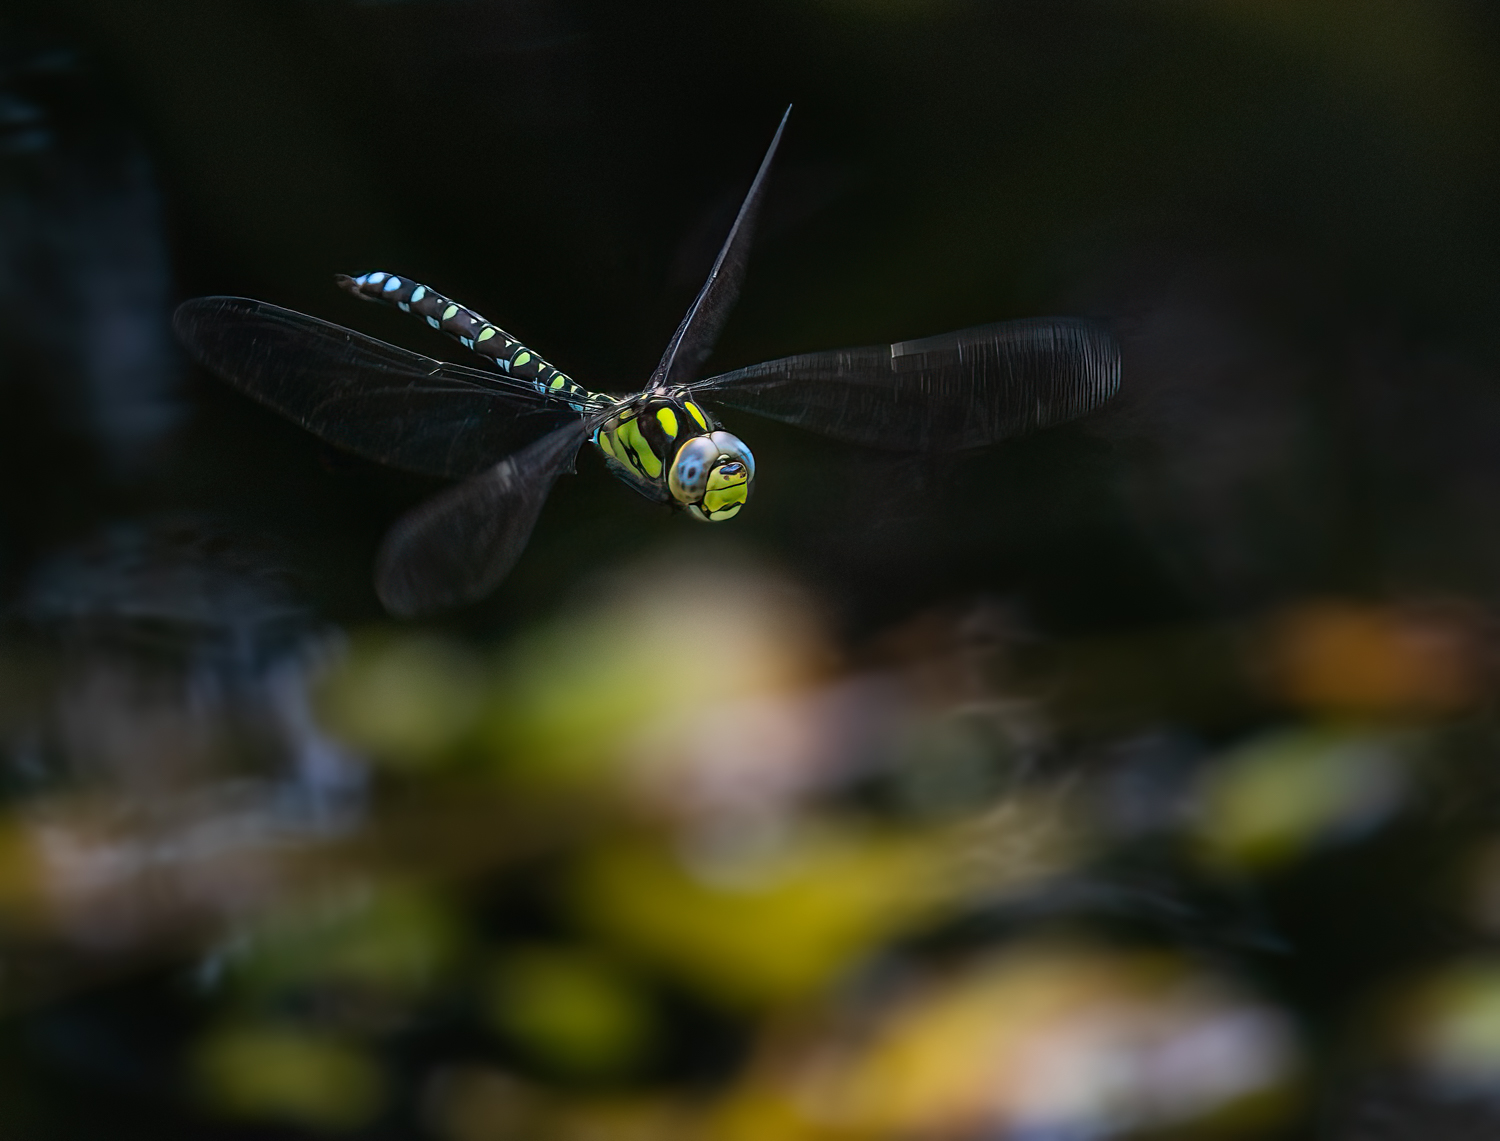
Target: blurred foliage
{"x": 769, "y": 926}
{"x": 1274, "y": 797}
{"x": 930, "y": 929}
{"x": 372, "y": 946}
{"x": 1385, "y": 662}
{"x": 405, "y": 701}
{"x": 572, "y": 1008}
{"x": 1050, "y": 1037}
{"x": 573, "y": 699}
{"x": 290, "y": 1075}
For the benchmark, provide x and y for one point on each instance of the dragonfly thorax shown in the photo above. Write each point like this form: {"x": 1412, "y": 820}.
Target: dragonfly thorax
{"x": 669, "y": 449}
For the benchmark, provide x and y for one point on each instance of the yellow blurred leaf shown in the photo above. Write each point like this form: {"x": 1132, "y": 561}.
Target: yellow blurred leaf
{"x": 284, "y": 1074}
{"x": 781, "y": 928}
{"x": 760, "y": 1114}
{"x": 24, "y": 881}
{"x": 1057, "y": 1040}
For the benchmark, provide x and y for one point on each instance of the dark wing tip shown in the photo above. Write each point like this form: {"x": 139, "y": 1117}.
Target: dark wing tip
{"x": 403, "y": 591}
{"x": 695, "y": 337}
{"x": 421, "y": 568}
{"x": 184, "y": 316}
{"x": 188, "y": 317}
{"x": 459, "y": 545}
{"x": 948, "y": 393}
{"x": 1073, "y": 367}
{"x": 1099, "y": 358}
{"x": 191, "y": 310}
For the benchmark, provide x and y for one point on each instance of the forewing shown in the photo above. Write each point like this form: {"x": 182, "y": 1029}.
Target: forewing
{"x": 695, "y": 337}
{"x": 939, "y": 394}
{"x": 383, "y": 402}
{"x": 459, "y": 545}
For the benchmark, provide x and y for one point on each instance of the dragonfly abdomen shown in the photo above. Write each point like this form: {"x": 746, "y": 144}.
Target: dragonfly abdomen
{"x": 472, "y": 331}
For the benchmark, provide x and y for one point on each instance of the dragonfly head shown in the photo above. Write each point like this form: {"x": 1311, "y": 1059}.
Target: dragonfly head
{"x": 711, "y": 476}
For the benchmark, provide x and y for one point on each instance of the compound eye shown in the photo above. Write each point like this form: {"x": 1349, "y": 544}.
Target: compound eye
{"x": 732, "y": 448}
{"x": 688, "y": 479}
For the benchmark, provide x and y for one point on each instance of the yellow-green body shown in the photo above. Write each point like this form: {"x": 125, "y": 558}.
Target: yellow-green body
{"x": 669, "y": 449}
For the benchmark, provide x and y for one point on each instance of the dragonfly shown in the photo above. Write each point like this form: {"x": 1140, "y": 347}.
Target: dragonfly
{"x": 508, "y": 430}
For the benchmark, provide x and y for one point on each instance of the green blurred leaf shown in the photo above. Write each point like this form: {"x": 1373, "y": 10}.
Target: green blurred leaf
{"x": 285, "y": 1074}
{"x": 1270, "y": 800}
{"x": 389, "y": 943}
{"x": 570, "y": 1007}
{"x": 406, "y": 699}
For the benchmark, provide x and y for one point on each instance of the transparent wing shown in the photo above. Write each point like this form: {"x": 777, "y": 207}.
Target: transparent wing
{"x": 383, "y": 402}
{"x": 700, "y": 328}
{"x": 459, "y": 545}
{"x": 939, "y": 394}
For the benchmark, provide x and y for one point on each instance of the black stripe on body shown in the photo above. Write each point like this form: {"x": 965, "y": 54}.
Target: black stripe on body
{"x": 641, "y": 426}
{"x": 470, "y": 330}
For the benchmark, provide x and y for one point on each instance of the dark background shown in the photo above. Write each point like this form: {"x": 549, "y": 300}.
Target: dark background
{"x": 1285, "y": 211}
{"x": 1285, "y": 215}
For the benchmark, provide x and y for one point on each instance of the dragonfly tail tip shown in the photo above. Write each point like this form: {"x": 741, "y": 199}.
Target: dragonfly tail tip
{"x": 350, "y": 285}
